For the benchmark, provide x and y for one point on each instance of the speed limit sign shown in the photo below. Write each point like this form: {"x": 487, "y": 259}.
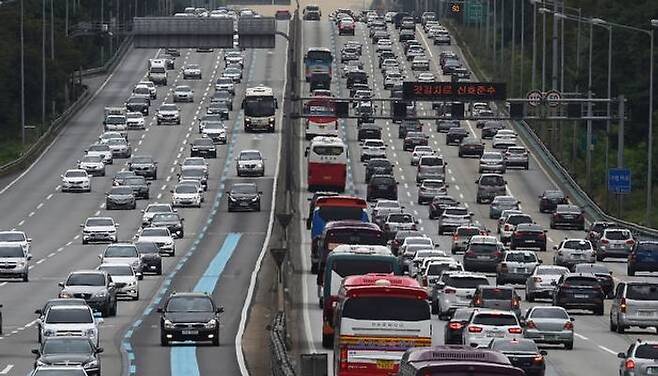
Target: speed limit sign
{"x": 535, "y": 97}
{"x": 552, "y": 98}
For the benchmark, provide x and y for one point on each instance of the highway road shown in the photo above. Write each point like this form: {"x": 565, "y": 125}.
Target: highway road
{"x": 595, "y": 346}
{"x": 219, "y": 252}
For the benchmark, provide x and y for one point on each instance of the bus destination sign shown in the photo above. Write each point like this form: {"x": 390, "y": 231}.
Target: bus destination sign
{"x": 464, "y": 91}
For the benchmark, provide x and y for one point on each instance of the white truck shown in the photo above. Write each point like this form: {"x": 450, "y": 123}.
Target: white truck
{"x": 115, "y": 120}
{"x": 157, "y": 71}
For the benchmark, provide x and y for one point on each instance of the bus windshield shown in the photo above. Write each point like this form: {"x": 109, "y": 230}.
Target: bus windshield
{"x": 319, "y": 56}
{"x": 378, "y": 308}
{"x": 259, "y": 106}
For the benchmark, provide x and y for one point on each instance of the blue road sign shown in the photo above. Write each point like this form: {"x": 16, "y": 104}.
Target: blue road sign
{"x": 619, "y": 180}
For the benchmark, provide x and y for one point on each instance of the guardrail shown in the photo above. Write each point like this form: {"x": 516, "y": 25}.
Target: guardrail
{"x": 564, "y": 180}
{"x": 41, "y": 144}
{"x": 281, "y": 365}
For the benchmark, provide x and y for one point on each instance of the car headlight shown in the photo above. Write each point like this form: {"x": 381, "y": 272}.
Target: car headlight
{"x": 90, "y": 332}
{"x": 168, "y": 324}
{"x": 232, "y": 199}
{"x": 247, "y": 120}
{"x": 254, "y": 199}
{"x": 211, "y": 324}
{"x": 65, "y": 295}
{"x": 91, "y": 364}
{"x": 48, "y": 333}
{"x": 101, "y": 294}
{"x": 271, "y": 120}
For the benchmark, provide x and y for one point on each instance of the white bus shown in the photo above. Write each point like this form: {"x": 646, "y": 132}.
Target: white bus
{"x": 327, "y": 164}
{"x": 259, "y": 107}
{"x": 321, "y": 118}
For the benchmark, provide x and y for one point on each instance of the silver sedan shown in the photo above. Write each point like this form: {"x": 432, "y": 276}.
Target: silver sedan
{"x": 551, "y": 325}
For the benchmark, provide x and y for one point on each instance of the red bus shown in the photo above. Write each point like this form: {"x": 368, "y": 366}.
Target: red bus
{"x": 327, "y": 164}
{"x": 378, "y": 317}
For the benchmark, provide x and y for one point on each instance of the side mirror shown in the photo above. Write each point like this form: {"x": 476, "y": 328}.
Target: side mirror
{"x": 99, "y": 350}
{"x": 37, "y": 311}
{"x": 621, "y": 355}
{"x": 82, "y": 225}
{"x": 60, "y": 284}
{"x": 541, "y": 261}
{"x": 29, "y": 257}
{"x": 159, "y": 310}
{"x": 572, "y": 319}
{"x": 171, "y": 191}
{"x": 36, "y": 352}
{"x": 555, "y": 247}
{"x": 543, "y": 352}
{"x": 220, "y": 309}
{"x": 100, "y": 257}
{"x": 99, "y": 320}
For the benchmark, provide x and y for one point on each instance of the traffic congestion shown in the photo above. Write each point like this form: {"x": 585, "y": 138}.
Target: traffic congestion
{"x": 404, "y": 250}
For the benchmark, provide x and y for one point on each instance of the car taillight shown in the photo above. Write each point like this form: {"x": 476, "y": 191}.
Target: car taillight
{"x": 604, "y": 241}
{"x": 630, "y": 241}
{"x": 542, "y": 235}
{"x": 343, "y": 358}
{"x": 498, "y": 254}
{"x": 470, "y": 254}
{"x": 503, "y": 267}
{"x": 539, "y": 359}
{"x": 568, "y": 325}
{"x": 629, "y": 364}
{"x": 477, "y": 302}
{"x": 474, "y": 329}
{"x": 455, "y": 325}
{"x": 622, "y": 305}
{"x": 536, "y": 279}
{"x": 515, "y": 330}
{"x": 508, "y": 227}
{"x": 449, "y": 290}
{"x": 515, "y": 303}
{"x": 455, "y": 237}
{"x": 530, "y": 324}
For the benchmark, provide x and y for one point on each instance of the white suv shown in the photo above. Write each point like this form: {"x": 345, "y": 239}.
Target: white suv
{"x": 71, "y": 320}
{"x": 574, "y": 251}
{"x": 18, "y": 237}
{"x": 486, "y": 325}
{"x": 457, "y": 290}
{"x": 161, "y": 236}
{"x": 76, "y": 180}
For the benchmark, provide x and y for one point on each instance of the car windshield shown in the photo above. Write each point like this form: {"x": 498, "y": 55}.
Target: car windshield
{"x": 551, "y": 271}
{"x": 215, "y": 125}
{"x": 244, "y": 189}
{"x": 100, "y": 222}
{"x": 193, "y": 66}
{"x": 134, "y": 115}
{"x": 158, "y": 209}
{"x": 522, "y": 346}
{"x": 437, "y": 268}
{"x": 11, "y": 251}
{"x": 647, "y": 351}
{"x": 553, "y": 194}
{"x": 549, "y": 313}
{"x": 518, "y": 219}
{"x": 202, "y": 142}
{"x": 379, "y": 163}
{"x": 154, "y": 231}
{"x": 190, "y": 304}
{"x": 142, "y": 160}
{"x": 112, "y": 141}
{"x": 492, "y": 180}
{"x": 400, "y": 218}
{"x": 168, "y": 107}
{"x": 165, "y": 217}
{"x": 136, "y": 180}
{"x": 93, "y": 158}
{"x": 468, "y": 231}
{"x": 433, "y": 184}
{"x": 497, "y": 294}
{"x": 67, "y": 346}
{"x": 582, "y": 282}
{"x": 117, "y": 270}
{"x": 591, "y": 268}
{"x": 642, "y": 292}
{"x": 183, "y": 88}
{"x": 466, "y": 282}
{"x": 617, "y": 235}
{"x": 121, "y": 191}
{"x": 69, "y": 316}
{"x": 495, "y": 319}
{"x": 386, "y": 308}
{"x": 186, "y": 188}
{"x": 456, "y": 211}
{"x": 75, "y": 174}
{"x": 521, "y": 257}
{"x": 137, "y": 100}
{"x": 249, "y": 156}
{"x": 483, "y": 247}
{"x": 121, "y": 251}
{"x": 581, "y": 245}
{"x": 147, "y": 247}
{"x": 492, "y": 155}
{"x": 12, "y": 237}
{"x": 86, "y": 279}
{"x": 504, "y": 200}
{"x": 193, "y": 173}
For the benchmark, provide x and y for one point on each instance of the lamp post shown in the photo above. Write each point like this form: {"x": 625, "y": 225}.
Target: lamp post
{"x": 22, "y": 77}
{"x": 534, "y": 43}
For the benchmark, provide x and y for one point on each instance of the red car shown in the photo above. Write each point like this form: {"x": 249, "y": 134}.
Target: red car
{"x": 282, "y": 14}
{"x": 346, "y": 27}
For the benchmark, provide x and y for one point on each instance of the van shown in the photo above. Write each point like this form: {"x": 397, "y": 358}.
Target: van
{"x": 157, "y": 71}
{"x": 489, "y": 186}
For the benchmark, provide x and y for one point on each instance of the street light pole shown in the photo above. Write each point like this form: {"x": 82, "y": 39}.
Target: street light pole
{"x": 588, "y": 161}
{"x": 43, "y": 63}
{"x": 522, "y": 80}
{"x": 22, "y": 77}
{"x": 513, "y": 45}
{"x": 534, "y": 45}
{"x": 543, "y": 50}
{"x": 654, "y": 25}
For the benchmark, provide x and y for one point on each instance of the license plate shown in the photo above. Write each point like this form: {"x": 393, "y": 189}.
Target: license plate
{"x": 385, "y": 364}
{"x": 190, "y": 332}
{"x": 495, "y": 334}
{"x": 578, "y": 256}
{"x": 153, "y": 267}
{"x": 381, "y": 187}
{"x": 646, "y": 313}
{"x": 521, "y": 270}
{"x": 580, "y": 296}
{"x": 483, "y": 257}
{"x": 550, "y": 337}
{"x": 244, "y": 204}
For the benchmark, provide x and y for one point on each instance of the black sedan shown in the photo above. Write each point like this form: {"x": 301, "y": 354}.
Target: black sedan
{"x": 120, "y": 198}
{"x": 138, "y": 104}
{"x": 182, "y": 311}
{"x": 455, "y": 326}
{"x": 219, "y": 108}
{"x": 443, "y": 126}
{"x": 149, "y": 253}
{"x": 456, "y": 135}
{"x": 378, "y": 166}
{"x": 413, "y": 139}
{"x": 57, "y": 350}
{"x": 172, "y": 221}
{"x": 139, "y": 186}
{"x": 550, "y": 199}
{"x": 471, "y": 146}
{"x": 490, "y": 128}
{"x": 568, "y": 216}
{"x": 203, "y": 147}
{"x": 522, "y": 353}
{"x": 243, "y": 197}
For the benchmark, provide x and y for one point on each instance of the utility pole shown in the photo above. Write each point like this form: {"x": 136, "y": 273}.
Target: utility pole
{"x": 543, "y": 51}
{"x": 588, "y": 159}
{"x": 522, "y": 80}
{"x": 502, "y": 37}
{"x": 620, "y": 146}
{"x": 513, "y": 45}
{"x": 22, "y": 75}
{"x": 52, "y": 30}
{"x": 534, "y": 45}
{"x": 493, "y": 30}
{"x": 66, "y": 18}
{"x": 43, "y": 63}
{"x": 554, "y": 77}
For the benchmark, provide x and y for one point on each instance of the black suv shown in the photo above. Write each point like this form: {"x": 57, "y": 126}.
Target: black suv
{"x": 378, "y": 166}
{"x": 189, "y": 316}
{"x": 528, "y": 235}
{"x": 144, "y": 165}
{"x": 602, "y": 273}
{"x": 244, "y": 196}
{"x": 579, "y": 291}
{"x": 444, "y": 126}
{"x": 456, "y": 325}
{"x": 643, "y": 258}
{"x": 409, "y": 126}
{"x": 568, "y": 216}
{"x": 382, "y": 186}
{"x": 369, "y": 130}
{"x": 95, "y": 287}
{"x": 149, "y": 253}
{"x": 456, "y": 135}
{"x": 203, "y": 147}
{"x": 69, "y": 350}
{"x": 471, "y": 146}
{"x": 550, "y": 199}
{"x": 439, "y": 204}
{"x": 490, "y": 128}
{"x": 172, "y": 221}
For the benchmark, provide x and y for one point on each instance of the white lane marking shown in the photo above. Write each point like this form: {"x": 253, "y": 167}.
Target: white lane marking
{"x": 31, "y": 214}
{"x": 51, "y": 254}
{"x": 40, "y": 205}
{"x": 3, "y": 283}
{"x": 163, "y": 187}
{"x": 97, "y": 212}
{"x": 40, "y": 261}
{"x": 76, "y": 237}
{"x": 581, "y": 336}
{"x": 607, "y": 350}
{"x": 6, "y": 370}
{"x": 21, "y": 223}
{"x": 49, "y": 196}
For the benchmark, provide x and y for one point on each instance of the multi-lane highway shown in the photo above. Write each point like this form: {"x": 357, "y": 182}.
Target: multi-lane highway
{"x": 595, "y": 346}
{"x": 218, "y": 254}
